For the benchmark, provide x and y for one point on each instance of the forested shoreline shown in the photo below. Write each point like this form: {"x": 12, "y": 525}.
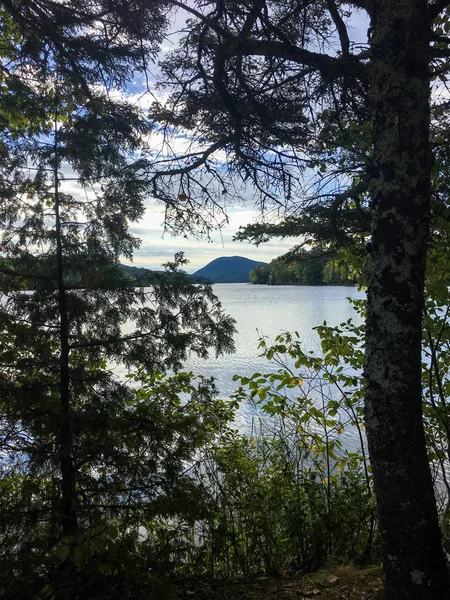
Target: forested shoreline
{"x": 305, "y": 267}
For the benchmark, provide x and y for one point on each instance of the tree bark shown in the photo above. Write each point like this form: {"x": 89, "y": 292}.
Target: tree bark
{"x": 414, "y": 562}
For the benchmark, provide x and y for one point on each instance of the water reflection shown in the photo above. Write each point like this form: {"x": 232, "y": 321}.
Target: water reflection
{"x": 262, "y": 310}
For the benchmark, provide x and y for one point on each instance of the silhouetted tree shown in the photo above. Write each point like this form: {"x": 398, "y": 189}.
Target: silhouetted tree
{"x": 275, "y": 89}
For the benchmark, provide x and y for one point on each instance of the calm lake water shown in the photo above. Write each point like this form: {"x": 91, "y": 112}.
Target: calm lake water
{"x": 262, "y": 310}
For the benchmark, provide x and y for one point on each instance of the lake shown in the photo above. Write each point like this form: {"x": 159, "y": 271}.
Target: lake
{"x": 262, "y": 310}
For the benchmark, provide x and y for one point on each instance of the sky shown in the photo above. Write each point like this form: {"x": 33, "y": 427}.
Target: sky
{"x": 157, "y": 246}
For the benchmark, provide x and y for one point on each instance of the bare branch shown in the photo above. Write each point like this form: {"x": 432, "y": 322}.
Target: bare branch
{"x": 197, "y": 163}
{"x": 327, "y": 65}
{"x": 351, "y": 193}
{"x": 340, "y": 26}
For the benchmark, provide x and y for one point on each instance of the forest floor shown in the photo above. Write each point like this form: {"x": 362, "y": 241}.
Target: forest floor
{"x": 337, "y": 582}
{"x": 340, "y": 583}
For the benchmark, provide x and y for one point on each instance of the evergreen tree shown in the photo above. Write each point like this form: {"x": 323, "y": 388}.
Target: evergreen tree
{"x": 66, "y": 417}
{"x": 302, "y": 267}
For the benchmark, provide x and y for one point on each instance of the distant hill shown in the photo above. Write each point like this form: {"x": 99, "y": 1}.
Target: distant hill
{"x": 228, "y": 269}
{"x": 145, "y": 276}
{"x": 137, "y": 272}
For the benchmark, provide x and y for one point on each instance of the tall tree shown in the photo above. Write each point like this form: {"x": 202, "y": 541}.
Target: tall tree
{"x": 61, "y": 66}
{"x": 280, "y": 88}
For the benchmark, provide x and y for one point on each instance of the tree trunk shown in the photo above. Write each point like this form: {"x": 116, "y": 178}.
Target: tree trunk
{"x": 68, "y": 513}
{"x": 414, "y": 562}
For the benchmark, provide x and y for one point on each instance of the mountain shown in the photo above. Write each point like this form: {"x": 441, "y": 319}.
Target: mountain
{"x": 228, "y": 269}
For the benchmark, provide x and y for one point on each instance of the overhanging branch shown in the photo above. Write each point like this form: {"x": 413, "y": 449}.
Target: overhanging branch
{"x": 351, "y": 193}
{"x": 196, "y": 163}
{"x": 340, "y": 26}
{"x": 327, "y": 65}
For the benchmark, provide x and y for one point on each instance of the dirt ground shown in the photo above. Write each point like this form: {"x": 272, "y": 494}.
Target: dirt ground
{"x": 340, "y": 583}
{"x": 337, "y": 582}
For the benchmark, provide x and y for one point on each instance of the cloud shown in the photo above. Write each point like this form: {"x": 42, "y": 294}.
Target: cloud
{"x": 157, "y": 247}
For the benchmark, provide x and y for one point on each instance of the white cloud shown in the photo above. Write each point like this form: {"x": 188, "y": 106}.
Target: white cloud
{"x": 158, "y": 246}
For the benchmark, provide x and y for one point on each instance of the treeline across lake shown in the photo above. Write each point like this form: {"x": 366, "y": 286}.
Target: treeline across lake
{"x": 304, "y": 267}
{"x": 20, "y": 275}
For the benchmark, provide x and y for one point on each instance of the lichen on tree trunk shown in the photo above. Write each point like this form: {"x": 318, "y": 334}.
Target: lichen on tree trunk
{"x": 414, "y": 562}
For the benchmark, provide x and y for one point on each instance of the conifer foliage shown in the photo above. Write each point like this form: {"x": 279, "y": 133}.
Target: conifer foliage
{"x": 75, "y": 439}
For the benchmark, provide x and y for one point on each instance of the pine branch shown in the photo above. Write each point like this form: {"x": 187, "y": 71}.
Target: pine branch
{"x": 340, "y": 26}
